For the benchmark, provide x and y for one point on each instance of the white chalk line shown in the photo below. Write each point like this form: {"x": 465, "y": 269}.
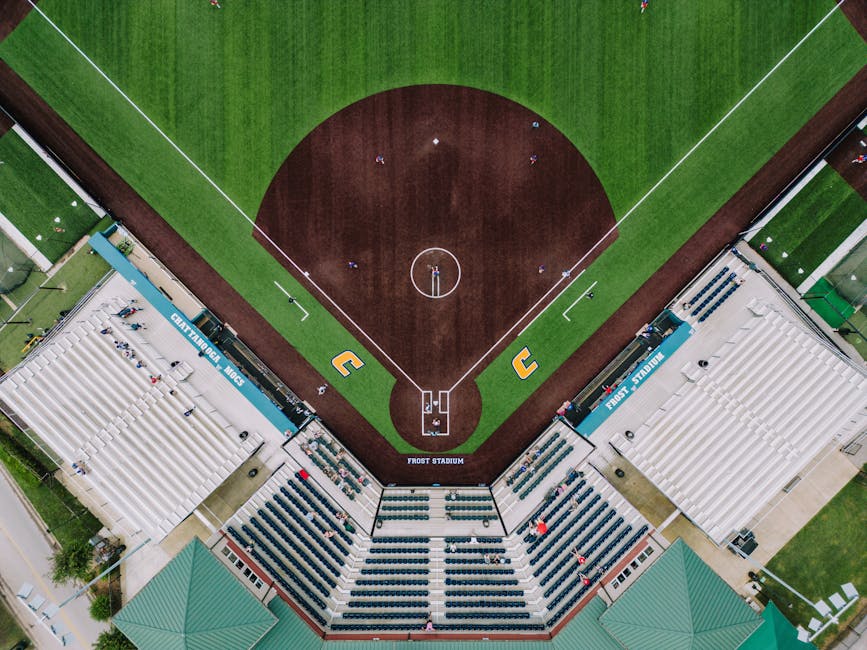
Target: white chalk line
{"x": 648, "y": 193}
{"x": 294, "y": 301}
{"x": 575, "y": 302}
{"x": 578, "y": 263}
{"x": 221, "y": 192}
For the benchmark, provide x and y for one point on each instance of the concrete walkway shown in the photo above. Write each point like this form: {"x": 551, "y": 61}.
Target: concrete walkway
{"x": 25, "y": 556}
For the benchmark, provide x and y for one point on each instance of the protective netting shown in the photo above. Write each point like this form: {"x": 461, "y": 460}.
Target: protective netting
{"x": 15, "y": 266}
{"x": 849, "y": 277}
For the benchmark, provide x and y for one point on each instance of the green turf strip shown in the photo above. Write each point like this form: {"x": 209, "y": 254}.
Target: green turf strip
{"x": 829, "y": 551}
{"x": 42, "y": 306}
{"x": 32, "y": 196}
{"x": 245, "y": 84}
{"x": 812, "y": 225}
{"x": 830, "y": 305}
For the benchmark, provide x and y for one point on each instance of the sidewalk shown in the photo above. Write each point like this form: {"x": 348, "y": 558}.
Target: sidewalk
{"x": 25, "y": 556}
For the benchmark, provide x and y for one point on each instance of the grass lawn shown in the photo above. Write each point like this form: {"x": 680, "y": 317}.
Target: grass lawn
{"x": 812, "y": 225}
{"x": 64, "y": 515}
{"x": 829, "y": 551}
{"x": 32, "y": 196}
{"x": 77, "y": 276}
{"x": 633, "y": 92}
{"x": 10, "y": 632}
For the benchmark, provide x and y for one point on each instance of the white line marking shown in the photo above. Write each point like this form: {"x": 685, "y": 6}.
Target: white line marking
{"x": 518, "y": 322}
{"x": 651, "y": 191}
{"x": 434, "y": 294}
{"x": 555, "y": 299}
{"x": 222, "y": 193}
{"x": 575, "y": 302}
{"x": 294, "y": 301}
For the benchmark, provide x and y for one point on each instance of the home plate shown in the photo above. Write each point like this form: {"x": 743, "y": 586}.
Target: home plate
{"x": 436, "y": 141}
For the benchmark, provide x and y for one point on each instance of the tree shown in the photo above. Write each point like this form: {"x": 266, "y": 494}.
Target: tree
{"x": 113, "y": 640}
{"x": 100, "y": 608}
{"x": 71, "y": 562}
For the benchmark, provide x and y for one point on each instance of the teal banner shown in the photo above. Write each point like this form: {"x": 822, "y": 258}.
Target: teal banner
{"x": 191, "y": 333}
{"x": 635, "y": 379}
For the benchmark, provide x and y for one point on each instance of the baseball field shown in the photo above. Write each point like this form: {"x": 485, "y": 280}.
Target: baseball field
{"x": 241, "y": 145}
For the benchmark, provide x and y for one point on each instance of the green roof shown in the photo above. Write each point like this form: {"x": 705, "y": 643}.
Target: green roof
{"x": 194, "y": 603}
{"x": 775, "y": 633}
{"x": 290, "y": 631}
{"x": 679, "y": 603}
{"x": 585, "y": 632}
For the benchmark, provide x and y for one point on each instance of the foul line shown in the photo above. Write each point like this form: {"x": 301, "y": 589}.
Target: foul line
{"x": 575, "y": 302}
{"x": 294, "y": 301}
{"x": 574, "y": 266}
{"x": 647, "y": 194}
{"x": 220, "y": 191}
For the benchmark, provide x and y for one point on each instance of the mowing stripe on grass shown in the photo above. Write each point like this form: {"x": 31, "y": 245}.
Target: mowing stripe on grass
{"x": 221, "y": 192}
{"x": 644, "y": 198}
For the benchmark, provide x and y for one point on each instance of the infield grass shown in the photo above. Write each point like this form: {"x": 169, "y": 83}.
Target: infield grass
{"x": 811, "y": 225}
{"x": 634, "y": 93}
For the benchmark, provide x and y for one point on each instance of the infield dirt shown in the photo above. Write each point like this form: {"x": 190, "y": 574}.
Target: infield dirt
{"x": 426, "y": 213}
{"x": 524, "y": 425}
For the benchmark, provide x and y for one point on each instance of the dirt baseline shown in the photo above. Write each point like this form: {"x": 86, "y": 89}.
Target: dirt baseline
{"x": 435, "y": 216}
{"x": 114, "y": 193}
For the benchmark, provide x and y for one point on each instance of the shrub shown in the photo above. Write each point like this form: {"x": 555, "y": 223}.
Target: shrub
{"x": 100, "y": 608}
{"x": 71, "y": 562}
{"x": 113, "y": 640}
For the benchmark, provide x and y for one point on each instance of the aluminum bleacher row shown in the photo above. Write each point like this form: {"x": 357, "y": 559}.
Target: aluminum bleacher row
{"x": 749, "y": 418}
{"x": 153, "y": 464}
{"x": 518, "y": 583}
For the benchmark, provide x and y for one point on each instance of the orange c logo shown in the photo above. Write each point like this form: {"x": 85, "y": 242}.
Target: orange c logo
{"x": 524, "y": 370}
{"x": 348, "y": 357}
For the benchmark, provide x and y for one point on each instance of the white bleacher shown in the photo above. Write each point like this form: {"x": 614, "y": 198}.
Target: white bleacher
{"x": 770, "y": 400}
{"x": 90, "y": 403}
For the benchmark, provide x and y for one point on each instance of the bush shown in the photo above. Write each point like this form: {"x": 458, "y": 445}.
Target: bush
{"x": 71, "y": 562}
{"x": 20, "y": 452}
{"x": 113, "y": 640}
{"x": 100, "y": 608}
{"x": 125, "y": 246}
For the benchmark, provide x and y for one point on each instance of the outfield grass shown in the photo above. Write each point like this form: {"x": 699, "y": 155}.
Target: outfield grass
{"x": 77, "y": 276}
{"x": 32, "y": 196}
{"x": 811, "y": 226}
{"x": 633, "y": 92}
{"x": 829, "y": 551}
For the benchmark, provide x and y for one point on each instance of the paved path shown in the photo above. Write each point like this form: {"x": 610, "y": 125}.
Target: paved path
{"x": 25, "y": 556}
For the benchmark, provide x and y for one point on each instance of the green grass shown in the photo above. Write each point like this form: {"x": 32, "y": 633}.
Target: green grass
{"x": 245, "y": 84}
{"x": 812, "y": 225}
{"x": 10, "y": 632}
{"x": 829, "y": 551}
{"x": 32, "y": 196}
{"x": 829, "y": 304}
{"x": 77, "y": 276}
{"x": 62, "y": 513}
